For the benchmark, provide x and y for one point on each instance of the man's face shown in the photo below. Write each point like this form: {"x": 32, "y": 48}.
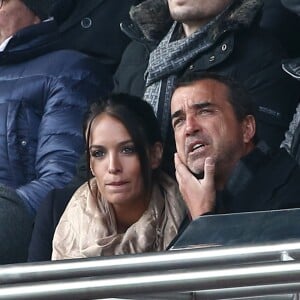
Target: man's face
{"x": 205, "y": 125}
{"x": 196, "y": 11}
{"x": 14, "y": 15}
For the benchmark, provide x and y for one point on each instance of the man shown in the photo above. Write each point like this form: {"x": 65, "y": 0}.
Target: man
{"x": 220, "y": 36}
{"x": 44, "y": 94}
{"x": 221, "y": 167}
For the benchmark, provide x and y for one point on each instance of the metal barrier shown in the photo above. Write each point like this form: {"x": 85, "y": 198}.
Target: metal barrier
{"x": 216, "y": 272}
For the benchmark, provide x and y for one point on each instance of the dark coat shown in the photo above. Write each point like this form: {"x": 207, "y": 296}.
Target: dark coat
{"x": 49, "y": 213}
{"x": 93, "y": 27}
{"x": 283, "y": 24}
{"x": 44, "y": 96}
{"x": 246, "y": 53}
{"x": 265, "y": 179}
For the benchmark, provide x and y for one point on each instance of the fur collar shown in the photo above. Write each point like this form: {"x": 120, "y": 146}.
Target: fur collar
{"x": 154, "y": 20}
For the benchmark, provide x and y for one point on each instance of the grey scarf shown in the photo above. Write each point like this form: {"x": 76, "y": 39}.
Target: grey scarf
{"x": 167, "y": 61}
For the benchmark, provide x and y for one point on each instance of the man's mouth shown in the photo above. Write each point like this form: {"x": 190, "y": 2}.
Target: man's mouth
{"x": 197, "y": 146}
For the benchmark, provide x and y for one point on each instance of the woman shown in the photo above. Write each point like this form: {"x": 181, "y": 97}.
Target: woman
{"x": 129, "y": 206}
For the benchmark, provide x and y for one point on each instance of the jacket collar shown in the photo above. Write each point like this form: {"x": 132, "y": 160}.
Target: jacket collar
{"x": 153, "y": 19}
{"x": 30, "y": 42}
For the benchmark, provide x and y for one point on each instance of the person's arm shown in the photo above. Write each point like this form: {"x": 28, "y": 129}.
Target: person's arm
{"x": 199, "y": 195}
{"x": 60, "y": 139}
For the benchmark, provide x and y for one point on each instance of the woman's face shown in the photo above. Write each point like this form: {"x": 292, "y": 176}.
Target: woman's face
{"x": 114, "y": 162}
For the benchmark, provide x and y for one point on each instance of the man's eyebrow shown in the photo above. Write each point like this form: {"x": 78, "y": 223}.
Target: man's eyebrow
{"x": 199, "y": 105}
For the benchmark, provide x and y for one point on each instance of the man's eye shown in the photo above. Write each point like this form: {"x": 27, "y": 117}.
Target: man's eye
{"x": 97, "y": 153}
{"x": 177, "y": 122}
{"x": 204, "y": 111}
{"x": 128, "y": 149}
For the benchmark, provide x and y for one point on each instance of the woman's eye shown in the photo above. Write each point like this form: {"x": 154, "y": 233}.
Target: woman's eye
{"x": 97, "y": 153}
{"x": 128, "y": 149}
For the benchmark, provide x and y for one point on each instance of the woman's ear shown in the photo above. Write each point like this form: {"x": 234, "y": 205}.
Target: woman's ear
{"x": 156, "y": 153}
{"x": 91, "y": 168}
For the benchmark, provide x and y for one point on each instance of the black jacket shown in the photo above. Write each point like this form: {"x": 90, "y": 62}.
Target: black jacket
{"x": 93, "y": 27}
{"x": 246, "y": 53}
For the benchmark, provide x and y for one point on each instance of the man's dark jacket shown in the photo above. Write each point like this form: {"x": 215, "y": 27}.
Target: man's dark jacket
{"x": 265, "y": 179}
{"x": 245, "y": 53}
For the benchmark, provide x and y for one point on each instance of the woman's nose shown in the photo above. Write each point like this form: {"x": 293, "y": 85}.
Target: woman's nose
{"x": 114, "y": 165}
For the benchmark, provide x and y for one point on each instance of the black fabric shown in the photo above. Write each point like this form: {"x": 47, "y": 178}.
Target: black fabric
{"x": 15, "y": 228}
{"x": 263, "y": 180}
{"x": 48, "y": 216}
{"x": 283, "y": 24}
{"x": 93, "y": 27}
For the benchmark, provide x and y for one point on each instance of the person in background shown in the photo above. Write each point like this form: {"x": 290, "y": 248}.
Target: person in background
{"x": 173, "y": 38}
{"x": 221, "y": 164}
{"x": 129, "y": 206}
{"x": 45, "y": 93}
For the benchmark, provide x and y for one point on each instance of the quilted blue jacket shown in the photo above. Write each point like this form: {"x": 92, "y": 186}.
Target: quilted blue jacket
{"x": 44, "y": 94}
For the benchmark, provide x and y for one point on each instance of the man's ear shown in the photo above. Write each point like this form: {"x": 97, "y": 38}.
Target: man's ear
{"x": 156, "y": 153}
{"x": 249, "y": 128}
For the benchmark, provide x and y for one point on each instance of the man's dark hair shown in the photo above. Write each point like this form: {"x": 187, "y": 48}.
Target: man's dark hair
{"x": 238, "y": 96}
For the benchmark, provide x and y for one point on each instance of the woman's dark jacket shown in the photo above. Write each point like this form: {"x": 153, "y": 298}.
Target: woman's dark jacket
{"x": 44, "y": 94}
{"x": 247, "y": 54}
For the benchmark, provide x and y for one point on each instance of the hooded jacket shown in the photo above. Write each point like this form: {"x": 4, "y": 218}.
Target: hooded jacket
{"x": 44, "y": 93}
{"x": 240, "y": 50}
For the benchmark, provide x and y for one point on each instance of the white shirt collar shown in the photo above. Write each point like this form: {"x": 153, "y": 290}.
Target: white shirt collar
{"x": 4, "y": 44}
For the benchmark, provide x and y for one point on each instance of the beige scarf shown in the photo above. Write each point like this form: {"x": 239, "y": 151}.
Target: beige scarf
{"x": 88, "y": 226}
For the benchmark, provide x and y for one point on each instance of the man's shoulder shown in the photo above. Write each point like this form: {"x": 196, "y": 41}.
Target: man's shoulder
{"x": 65, "y": 62}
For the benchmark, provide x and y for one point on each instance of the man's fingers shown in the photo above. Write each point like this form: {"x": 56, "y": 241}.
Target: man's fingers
{"x": 209, "y": 171}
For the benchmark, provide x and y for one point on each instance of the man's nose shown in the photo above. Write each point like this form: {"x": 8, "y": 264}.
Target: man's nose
{"x": 114, "y": 165}
{"x": 192, "y": 125}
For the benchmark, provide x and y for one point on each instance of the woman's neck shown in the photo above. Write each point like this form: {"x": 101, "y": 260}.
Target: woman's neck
{"x": 126, "y": 215}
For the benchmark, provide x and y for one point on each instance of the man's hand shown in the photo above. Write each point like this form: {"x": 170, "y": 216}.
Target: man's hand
{"x": 199, "y": 195}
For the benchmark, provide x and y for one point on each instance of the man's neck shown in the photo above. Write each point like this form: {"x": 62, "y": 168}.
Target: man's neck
{"x": 191, "y": 27}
